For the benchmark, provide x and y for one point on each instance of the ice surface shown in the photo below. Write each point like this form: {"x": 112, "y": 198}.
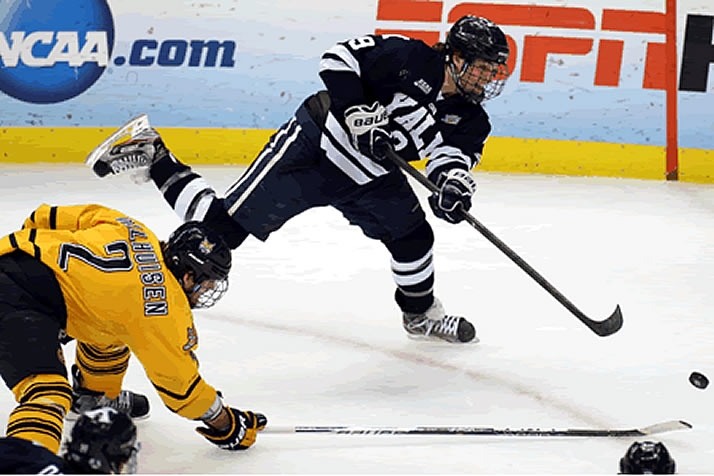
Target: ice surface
{"x": 309, "y": 334}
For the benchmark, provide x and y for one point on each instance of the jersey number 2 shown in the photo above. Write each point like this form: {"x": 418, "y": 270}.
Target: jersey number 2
{"x": 112, "y": 263}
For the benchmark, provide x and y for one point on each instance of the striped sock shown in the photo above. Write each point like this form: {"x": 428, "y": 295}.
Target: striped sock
{"x": 44, "y": 402}
{"x": 102, "y": 369}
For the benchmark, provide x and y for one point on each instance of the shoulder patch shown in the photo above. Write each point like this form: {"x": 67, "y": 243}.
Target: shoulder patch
{"x": 192, "y": 339}
{"x": 423, "y": 85}
{"x": 452, "y": 119}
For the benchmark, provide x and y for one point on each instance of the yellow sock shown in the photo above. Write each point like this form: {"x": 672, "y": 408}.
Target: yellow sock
{"x": 103, "y": 368}
{"x": 44, "y": 401}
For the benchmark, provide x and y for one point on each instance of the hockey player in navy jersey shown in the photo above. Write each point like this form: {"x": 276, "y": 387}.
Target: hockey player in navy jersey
{"x": 103, "y": 441}
{"x": 382, "y": 91}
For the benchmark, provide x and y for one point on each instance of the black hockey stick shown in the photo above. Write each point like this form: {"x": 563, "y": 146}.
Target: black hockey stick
{"x": 602, "y": 328}
{"x": 477, "y": 431}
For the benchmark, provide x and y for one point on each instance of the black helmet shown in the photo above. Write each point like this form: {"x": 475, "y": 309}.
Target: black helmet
{"x": 196, "y": 249}
{"x": 474, "y": 38}
{"x": 102, "y": 441}
{"x": 478, "y": 38}
{"x": 647, "y": 457}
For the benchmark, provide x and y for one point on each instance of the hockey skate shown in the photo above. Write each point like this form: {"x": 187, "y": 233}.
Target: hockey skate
{"x": 133, "y": 404}
{"x": 435, "y": 325}
{"x": 119, "y": 154}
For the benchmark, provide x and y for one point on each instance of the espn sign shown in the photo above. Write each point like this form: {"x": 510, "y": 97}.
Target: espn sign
{"x": 697, "y": 53}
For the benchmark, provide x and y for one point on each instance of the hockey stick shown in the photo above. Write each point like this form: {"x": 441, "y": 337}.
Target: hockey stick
{"x": 672, "y": 425}
{"x": 602, "y": 328}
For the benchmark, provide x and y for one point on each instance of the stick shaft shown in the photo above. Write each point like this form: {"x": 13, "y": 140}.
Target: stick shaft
{"x": 601, "y": 328}
{"x": 477, "y": 431}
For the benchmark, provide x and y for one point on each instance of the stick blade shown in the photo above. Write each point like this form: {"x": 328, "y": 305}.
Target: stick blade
{"x": 609, "y": 326}
{"x": 672, "y": 425}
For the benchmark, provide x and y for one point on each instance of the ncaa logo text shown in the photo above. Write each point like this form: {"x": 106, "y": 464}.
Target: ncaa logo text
{"x": 54, "y": 50}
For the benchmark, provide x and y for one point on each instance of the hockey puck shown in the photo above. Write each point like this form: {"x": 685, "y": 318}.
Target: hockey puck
{"x": 698, "y": 380}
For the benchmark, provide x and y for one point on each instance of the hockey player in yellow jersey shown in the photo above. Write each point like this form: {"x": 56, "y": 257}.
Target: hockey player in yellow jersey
{"x": 93, "y": 274}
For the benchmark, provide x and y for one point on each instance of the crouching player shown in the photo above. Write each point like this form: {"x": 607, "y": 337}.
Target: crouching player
{"x": 93, "y": 274}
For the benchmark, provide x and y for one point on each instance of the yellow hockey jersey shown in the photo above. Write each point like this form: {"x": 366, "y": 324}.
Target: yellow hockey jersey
{"x": 118, "y": 291}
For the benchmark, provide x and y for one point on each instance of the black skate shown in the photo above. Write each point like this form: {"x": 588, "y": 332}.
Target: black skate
{"x": 435, "y": 325}
{"x": 133, "y": 404}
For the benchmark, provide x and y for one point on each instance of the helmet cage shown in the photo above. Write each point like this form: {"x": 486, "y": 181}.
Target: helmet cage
{"x": 206, "y": 293}
{"x": 484, "y": 50}
{"x": 477, "y": 82}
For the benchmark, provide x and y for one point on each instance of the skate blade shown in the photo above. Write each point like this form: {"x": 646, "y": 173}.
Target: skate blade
{"x": 439, "y": 340}
{"x": 133, "y": 127}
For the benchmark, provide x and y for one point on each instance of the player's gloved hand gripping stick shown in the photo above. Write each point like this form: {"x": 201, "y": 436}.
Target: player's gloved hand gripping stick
{"x": 368, "y": 126}
{"x": 602, "y": 328}
{"x": 241, "y": 432}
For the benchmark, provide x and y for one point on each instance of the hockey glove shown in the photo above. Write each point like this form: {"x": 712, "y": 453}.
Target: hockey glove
{"x": 368, "y": 126}
{"x": 456, "y": 186}
{"x": 240, "y": 433}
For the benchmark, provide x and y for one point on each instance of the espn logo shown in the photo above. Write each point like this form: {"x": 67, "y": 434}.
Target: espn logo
{"x": 696, "y": 56}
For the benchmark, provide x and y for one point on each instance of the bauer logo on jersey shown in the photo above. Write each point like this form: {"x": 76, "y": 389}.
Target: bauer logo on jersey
{"x": 51, "y": 51}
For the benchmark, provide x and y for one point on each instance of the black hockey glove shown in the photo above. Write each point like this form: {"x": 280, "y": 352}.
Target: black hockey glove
{"x": 456, "y": 186}
{"x": 368, "y": 127}
{"x": 240, "y": 433}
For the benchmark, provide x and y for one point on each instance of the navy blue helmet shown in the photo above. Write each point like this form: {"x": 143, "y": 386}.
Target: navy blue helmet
{"x": 483, "y": 47}
{"x": 102, "y": 441}
{"x": 647, "y": 457}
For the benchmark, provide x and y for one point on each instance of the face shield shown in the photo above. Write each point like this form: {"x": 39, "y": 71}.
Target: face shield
{"x": 205, "y": 294}
{"x": 479, "y": 80}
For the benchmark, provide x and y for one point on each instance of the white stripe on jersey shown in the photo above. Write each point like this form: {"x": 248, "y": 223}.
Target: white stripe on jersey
{"x": 187, "y": 196}
{"x": 273, "y": 160}
{"x": 260, "y": 157}
{"x": 445, "y": 154}
{"x": 344, "y": 54}
{"x": 332, "y": 64}
{"x": 342, "y": 162}
{"x": 448, "y": 150}
{"x": 338, "y": 134}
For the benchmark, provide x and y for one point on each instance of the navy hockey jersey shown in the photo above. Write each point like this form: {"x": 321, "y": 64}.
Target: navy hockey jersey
{"x": 405, "y": 76}
{"x": 18, "y": 456}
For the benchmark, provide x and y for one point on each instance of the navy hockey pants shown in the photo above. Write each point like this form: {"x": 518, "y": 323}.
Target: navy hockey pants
{"x": 292, "y": 175}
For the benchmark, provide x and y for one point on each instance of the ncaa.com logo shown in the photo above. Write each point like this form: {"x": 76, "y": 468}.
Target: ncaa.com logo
{"x": 54, "y": 50}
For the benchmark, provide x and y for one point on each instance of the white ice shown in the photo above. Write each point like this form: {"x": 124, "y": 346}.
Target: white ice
{"x": 309, "y": 333}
